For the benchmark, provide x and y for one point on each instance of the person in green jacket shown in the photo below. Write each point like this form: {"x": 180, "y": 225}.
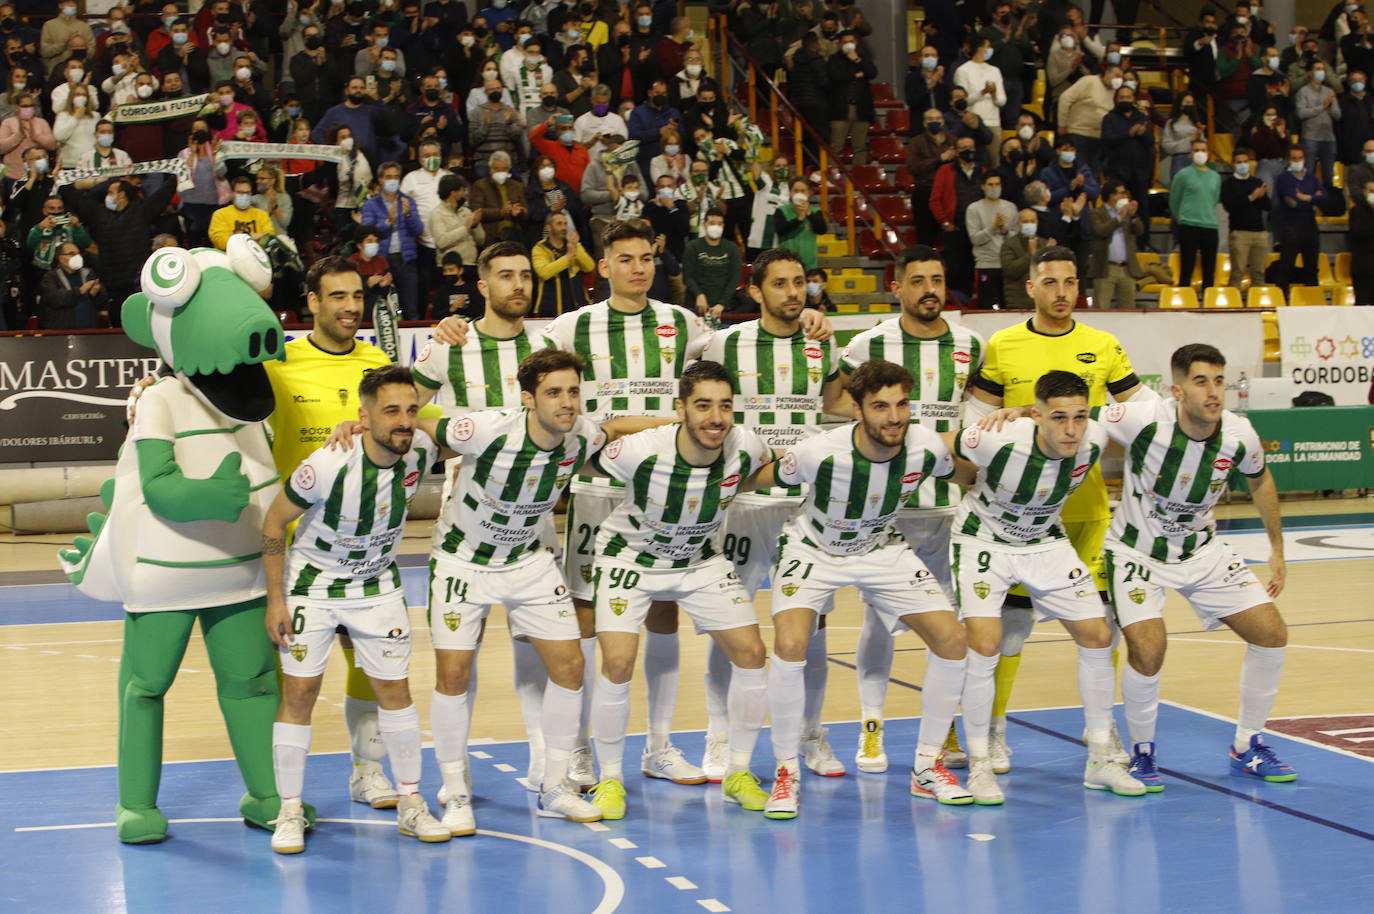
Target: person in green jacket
{"x": 798, "y": 223}
{"x": 711, "y": 269}
{"x": 1193, "y": 198}
{"x": 55, "y": 229}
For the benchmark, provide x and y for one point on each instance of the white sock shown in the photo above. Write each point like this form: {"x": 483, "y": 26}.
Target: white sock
{"x": 589, "y": 676}
{"x": 873, "y": 660}
{"x": 1140, "y": 695}
{"x": 1259, "y": 686}
{"x": 661, "y": 675}
{"x": 786, "y": 700}
{"x": 560, "y": 711}
{"x": 290, "y": 746}
{"x": 748, "y": 702}
{"x": 817, "y": 672}
{"x": 940, "y": 692}
{"x": 530, "y": 679}
{"x": 1096, "y": 686}
{"x": 611, "y": 718}
{"x": 717, "y": 689}
{"x": 401, "y": 733}
{"x": 979, "y": 687}
{"x": 360, "y": 716}
{"x": 450, "y": 718}
{"x": 1017, "y": 624}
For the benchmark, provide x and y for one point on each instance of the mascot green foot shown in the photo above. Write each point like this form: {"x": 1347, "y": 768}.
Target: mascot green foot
{"x": 140, "y": 826}
{"x": 261, "y": 812}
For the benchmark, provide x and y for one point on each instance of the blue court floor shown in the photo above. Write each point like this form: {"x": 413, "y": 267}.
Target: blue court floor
{"x": 1210, "y": 842}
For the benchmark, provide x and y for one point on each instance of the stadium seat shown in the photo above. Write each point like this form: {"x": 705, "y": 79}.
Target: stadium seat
{"x": 1265, "y": 297}
{"x": 837, "y": 207}
{"x": 1298, "y": 296}
{"x": 895, "y": 210}
{"x": 1177, "y": 297}
{"x": 831, "y": 246}
{"x": 1343, "y": 295}
{"x": 903, "y": 179}
{"x": 870, "y": 247}
{"x": 1221, "y": 272}
{"x": 887, "y": 149}
{"x": 852, "y": 280}
{"x": 1270, "y": 321}
{"x": 1343, "y": 268}
{"x": 871, "y": 178}
{"x": 1221, "y": 297}
{"x": 899, "y": 121}
{"x": 883, "y": 97}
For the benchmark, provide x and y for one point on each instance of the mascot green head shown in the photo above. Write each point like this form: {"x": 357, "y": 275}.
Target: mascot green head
{"x": 201, "y": 311}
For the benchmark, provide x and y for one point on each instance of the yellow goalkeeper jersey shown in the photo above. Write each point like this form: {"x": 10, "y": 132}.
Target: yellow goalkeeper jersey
{"x": 1017, "y": 356}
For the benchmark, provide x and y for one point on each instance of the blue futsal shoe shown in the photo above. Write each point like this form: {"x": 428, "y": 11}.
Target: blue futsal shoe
{"x": 1260, "y": 762}
{"x": 1142, "y": 767}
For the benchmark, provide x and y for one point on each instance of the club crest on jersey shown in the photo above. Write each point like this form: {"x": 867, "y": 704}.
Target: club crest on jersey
{"x": 813, "y": 372}
{"x": 424, "y": 353}
{"x": 961, "y": 379}
{"x": 561, "y": 481}
{"x": 972, "y": 435}
{"x": 874, "y": 499}
{"x": 784, "y": 371}
{"x": 790, "y": 589}
{"x": 982, "y": 589}
{"x": 612, "y": 450}
{"x": 1114, "y": 413}
{"x": 453, "y": 620}
{"x": 343, "y": 396}
{"x": 298, "y": 651}
{"x": 510, "y": 381}
{"x": 586, "y": 572}
{"x": 463, "y": 429}
{"x": 693, "y": 504}
{"x": 1087, "y": 358}
{"x": 619, "y": 605}
{"x": 1137, "y": 595}
{"x": 1185, "y": 478}
{"x": 634, "y": 352}
{"x": 667, "y": 332}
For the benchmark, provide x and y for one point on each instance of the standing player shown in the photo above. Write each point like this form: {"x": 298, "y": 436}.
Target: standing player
{"x": 1052, "y": 340}
{"x": 1180, "y": 454}
{"x": 782, "y": 384}
{"x": 659, "y": 544}
{"x": 942, "y": 357}
{"x": 1008, "y": 532}
{"x": 342, "y": 572}
{"x": 860, "y": 474}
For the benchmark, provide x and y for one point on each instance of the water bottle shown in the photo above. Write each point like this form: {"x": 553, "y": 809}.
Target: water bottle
{"x": 1243, "y": 394}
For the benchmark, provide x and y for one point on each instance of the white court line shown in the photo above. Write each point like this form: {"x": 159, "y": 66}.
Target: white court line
{"x": 503, "y": 767}
{"x": 1296, "y": 739}
{"x": 712, "y": 905}
{"x": 1305, "y": 647}
{"x": 651, "y": 863}
{"x": 1306, "y": 716}
{"x": 681, "y": 883}
{"x": 596, "y": 826}
{"x": 479, "y": 755}
{"x": 42, "y": 643}
{"x": 624, "y": 844}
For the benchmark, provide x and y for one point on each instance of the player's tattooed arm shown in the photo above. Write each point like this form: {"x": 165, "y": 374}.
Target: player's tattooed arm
{"x": 282, "y": 512}
{"x": 273, "y": 545}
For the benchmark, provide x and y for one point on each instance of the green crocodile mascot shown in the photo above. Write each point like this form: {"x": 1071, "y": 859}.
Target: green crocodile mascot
{"x": 182, "y": 538}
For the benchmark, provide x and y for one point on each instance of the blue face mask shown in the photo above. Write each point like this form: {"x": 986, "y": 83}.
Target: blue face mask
{"x": 1357, "y": 86}
{"x": 388, "y": 66}
{"x": 391, "y": 185}
{"x": 566, "y": 137}
{"x": 370, "y": 249}
{"x": 645, "y": 21}
{"x": 929, "y": 63}
{"x": 179, "y": 38}
{"x": 1068, "y": 157}
{"x": 243, "y": 201}
{"x": 381, "y": 42}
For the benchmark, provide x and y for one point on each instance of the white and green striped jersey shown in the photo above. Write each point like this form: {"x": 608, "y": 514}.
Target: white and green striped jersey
{"x": 1019, "y": 493}
{"x": 1173, "y": 481}
{"x": 671, "y": 508}
{"x": 481, "y": 374}
{"x": 506, "y": 485}
{"x": 941, "y": 367}
{"x": 852, "y": 499}
{"x": 355, "y": 513}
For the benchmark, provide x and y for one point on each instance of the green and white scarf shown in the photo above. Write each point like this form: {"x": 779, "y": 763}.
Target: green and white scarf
{"x": 166, "y": 110}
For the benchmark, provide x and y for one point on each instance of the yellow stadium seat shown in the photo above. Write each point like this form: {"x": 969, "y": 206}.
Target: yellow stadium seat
{"x": 1222, "y": 270}
{"x": 1221, "y": 297}
{"x": 853, "y": 280}
{"x": 1299, "y": 296}
{"x": 1343, "y": 295}
{"x": 1178, "y": 297}
{"x": 1325, "y": 277}
{"x": 1270, "y": 321}
{"x": 831, "y": 246}
{"x": 1338, "y": 174}
{"x": 1343, "y": 268}
{"x": 1265, "y": 297}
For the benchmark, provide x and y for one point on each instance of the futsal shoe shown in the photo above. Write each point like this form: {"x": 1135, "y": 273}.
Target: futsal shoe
{"x": 817, "y": 754}
{"x": 670, "y": 764}
{"x": 742, "y": 788}
{"x": 999, "y": 753}
{"x": 458, "y": 817}
{"x": 140, "y": 826}
{"x": 1118, "y": 751}
{"x": 580, "y": 770}
{"x": 786, "y": 796}
{"x": 1104, "y": 772}
{"x": 370, "y": 785}
{"x": 715, "y": 761}
{"x": 609, "y": 798}
{"x": 413, "y": 819}
{"x": 955, "y": 756}
{"x": 982, "y": 783}
{"x": 1260, "y": 762}
{"x": 288, "y": 833}
{"x": 939, "y": 783}
{"x": 564, "y": 801}
{"x": 534, "y": 774}
{"x": 1142, "y": 767}
{"x": 871, "y": 757}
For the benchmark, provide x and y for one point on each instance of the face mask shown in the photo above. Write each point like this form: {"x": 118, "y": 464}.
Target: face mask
{"x": 645, "y": 21}
{"x": 671, "y": 149}
{"x": 1113, "y": 58}
{"x": 631, "y": 195}
{"x": 381, "y": 42}
{"x": 1132, "y": 84}
{"x": 1296, "y": 167}
{"x": 1028, "y": 228}
{"x": 117, "y": 69}
{"x": 992, "y": 193}
{"x": 1199, "y": 158}
{"x": 658, "y": 101}
{"x": 500, "y": 177}
{"x": 391, "y": 185}
{"x": 848, "y": 47}
{"x": 800, "y": 199}
{"x": 693, "y": 70}
{"x": 691, "y": 33}
{"x": 499, "y": 4}
{"x": 1068, "y": 157}
{"x": 226, "y": 100}
{"x": 929, "y": 63}
{"x": 546, "y": 174}
{"x": 1066, "y": 42}
{"x": 467, "y": 41}
{"x": 521, "y": 39}
{"x": 75, "y": 262}
{"x": 76, "y": 74}
{"x": 1272, "y": 62}
{"x": 346, "y": 144}
{"x": 533, "y": 60}
{"x": 548, "y": 101}
{"x": 600, "y": 110}
{"x": 665, "y": 193}
{"x": 1115, "y": 82}
{"x": 1357, "y": 86}
{"x": 1368, "y": 198}
{"x": 370, "y": 249}
{"x": 1122, "y": 204}
{"x": 180, "y": 38}
{"x": 700, "y": 179}
{"x": 1242, "y": 169}
{"x": 144, "y": 91}
{"x": 304, "y": 19}
{"x": 69, "y": 11}
{"x": 494, "y": 96}
{"x": 935, "y": 126}
{"x": 714, "y": 232}
{"x": 243, "y": 201}
{"x": 111, "y": 203}
{"x": 1242, "y": 20}
{"x": 26, "y": 112}
{"x": 443, "y": 83}
{"x": 78, "y": 101}
{"x": 813, "y": 290}
{"x": 566, "y": 137}
{"x": 242, "y": 74}
{"x": 1270, "y": 120}
{"x": 1369, "y": 158}
{"x": 967, "y": 155}
{"x": 1292, "y": 37}
{"x": 105, "y": 139}
{"x": 490, "y": 74}
{"x": 1319, "y": 75}
{"x": 1025, "y": 133}
{"x": 388, "y": 66}
{"x": 1125, "y": 107}
{"x": 222, "y": 48}
{"x": 430, "y": 163}
{"x": 168, "y": 21}
{"x": 960, "y": 104}
{"x": 572, "y": 34}
{"x": 41, "y": 166}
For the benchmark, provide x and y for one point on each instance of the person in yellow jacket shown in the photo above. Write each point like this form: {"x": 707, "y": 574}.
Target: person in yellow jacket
{"x": 559, "y": 260}
{"x": 239, "y": 217}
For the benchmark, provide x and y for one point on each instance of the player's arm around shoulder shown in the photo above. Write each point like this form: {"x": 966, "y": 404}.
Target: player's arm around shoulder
{"x": 1122, "y": 422}
{"x": 615, "y": 429}
{"x": 967, "y": 446}
{"x": 761, "y": 459}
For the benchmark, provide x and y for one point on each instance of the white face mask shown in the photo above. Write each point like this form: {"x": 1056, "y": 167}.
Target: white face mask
{"x": 370, "y": 249}
{"x": 1199, "y": 158}
{"x": 1066, "y": 42}
{"x": 1028, "y": 228}
{"x": 78, "y": 101}
{"x": 800, "y": 199}
{"x": 1242, "y": 169}
{"x": 76, "y": 261}
{"x": 714, "y": 232}
{"x": 693, "y": 70}
{"x": 105, "y": 139}
{"x": 243, "y": 201}
{"x": 488, "y": 74}
{"x": 222, "y": 48}
{"x": 144, "y": 91}
{"x": 1025, "y": 133}
{"x": 1368, "y": 198}
{"x": 117, "y": 69}
{"x": 346, "y": 144}
{"x": 1319, "y": 75}
{"x": 76, "y": 74}
{"x": 242, "y": 74}
{"x": 500, "y": 177}
{"x": 546, "y": 174}
{"x": 813, "y": 289}
{"x": 1273, "y": 62}
{"x": 467, "y": 41}
{"x": 1115, "y": 82}
{"x": 848, "y": 47}
{"x": 1122, "y": 204}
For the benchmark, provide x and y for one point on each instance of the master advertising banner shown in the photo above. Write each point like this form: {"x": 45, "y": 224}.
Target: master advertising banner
{"x": 1328, "y": 349}
{"x": 62, "y": 396}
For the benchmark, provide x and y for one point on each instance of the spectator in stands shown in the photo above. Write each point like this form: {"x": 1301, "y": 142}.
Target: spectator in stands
{"x": 669, "y": 216}
{"x": 317, "y": 75}
{"x": 23, "y": 131}
{"x": 240, "y": 217}
{"x": 682, "y": 88}
{"x": 576, "y": 81}
{"x": 630, "y": 204}
{"x": 1058, "y": 223}
{"x": 712, "y": 269}
{"x": 1300, "y": 70}
{"x": 961, "y": 121}
{"x": 707, "y": 110}
{"x": 546, "y": 193}
{"x": 1064, "y": 66}
{"x": 599, "y": 121}
{"x": 1016, "y": 171}
{"x": 799, "y": 223}
{"x": 925, "y": 81}
{"x": 1128, "y": 147}
{"x": 74, "y": 127}
{"x": 1361, "y": 242}
{"x": 559, "y": 261}
{"x": 1082, "y": 109}
{"x": 817, "y": 295}
{"x": 1193, "y": 199}
{"x": 181, "y": 56}
{"x": 931, "y": 146}
{"x": 1357, "y": 175}
{"x": 1318, "y": 111}
{"x": 672, "y": 160}
{"x": 1012, "y": 52}
{"x": 958, "y": 183}
{"x": 71, "y": 292}
{"x": 105, "y": 154}
{"x": 527, "y": 81}
{"x": 62, "y": 33}
{"x": 570, "y": 158}
{"x": 121, "y": 224}
{"x": 1017, "y": 250}
{"x": 671, "y": 50}
{"x": 1357, "y": 119}
{"x": 1269, "y": 141}
{"x": 648, "y": 120}
{"x": 1246, "y": 200}
{"x": 422, "y": 186}
{"x": 354, "y": 176}
{"x": 1235, "y": 63}
{"x": 601, "y": 185}
{"x": 1268, "y": 84}
{"x": 1357, "y": 48}
{"x": 398, "y": 216}
{"x": 1117, "y": 229}
{"x": 501, "y": 199}
{"x": 1200, "y": 53}
{"x": 1247, "y": 14}
{"x": 1069, "y": 177}
{"x": 1299, "y": 192}
{"x": 989, "y": 221}
{"x": 58, "y": 227}
{"x": 808, "y": 88}
{"x": 358, "y": 112}
{"x": 454, "y": 226}
{"x": 374, "y": 266}
{"x": 982, "y": 84}
{"x": 1290, "y": 55}
{"x": 457, "y": 293}
{"x": 851, "y": 98}
{"x": 771, "y": 181}
{"x": 1032, "y": 143}
{"x": 1185, "y": 126}
{"x": 272, "y": 199}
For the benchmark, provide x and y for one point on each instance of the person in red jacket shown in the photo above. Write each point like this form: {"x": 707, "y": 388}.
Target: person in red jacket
{"x": 958, "y": 183}
{"x": 570, "y": 158}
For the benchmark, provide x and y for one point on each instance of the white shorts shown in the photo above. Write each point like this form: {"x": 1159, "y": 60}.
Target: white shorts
{"x": 710, "y": 594}
{"x": 588, "y": 508}
{"x": 891, "y": 580}
{"x": 378, "y": 626}
{"x": 927, "y": 533}
{"x": 532, "y": 590}
{"x": 1216, "y": 583}
{"x": 1059, "y": 582}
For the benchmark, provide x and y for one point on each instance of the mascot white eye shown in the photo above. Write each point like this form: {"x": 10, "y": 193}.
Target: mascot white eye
{"x": 249, "y": 261}
{"x": 170, "y": 277}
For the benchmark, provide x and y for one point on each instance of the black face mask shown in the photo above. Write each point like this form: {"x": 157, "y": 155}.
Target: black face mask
{"x": 78, "y": 54}
{"x": 960, "y": 104}
{"x": 658, "y": 101}
{"x": 432, "y": 95}
{"x": 623, "y": 41}
{"x": 1125, "y": 107}
{"x": 935, "y": 126}
{"x": 314, "y": 42}
{"x": 968, "y": 155}
{"x": 8, "y": 23}
{"x": 549, "y": 102}
{"x": 494, "y": 96}
{"x": 222, "y": 18}
{"x": 201, "y": 136}
{"x": 357, "y": 98}
{"x": 479, "y": 32}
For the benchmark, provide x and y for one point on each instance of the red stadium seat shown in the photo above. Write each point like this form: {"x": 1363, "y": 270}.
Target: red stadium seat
{"x": 903, "y": 179}
{"x": 899, "y": 121}
{"x": 871, "y": 248}
{"x": 871, "y": 178}
{"x": 836, "y": 207}
{"x": 895, "y": 210}
{"x": 883, "y": 97}
{"x": 887, "y": 149}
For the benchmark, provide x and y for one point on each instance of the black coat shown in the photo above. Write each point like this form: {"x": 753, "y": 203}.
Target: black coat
{"x": 808, "y": 83}
{"x": 124, "y": 235}
{"x": 846, "y": 75}
{"x": 1356, "y": 125}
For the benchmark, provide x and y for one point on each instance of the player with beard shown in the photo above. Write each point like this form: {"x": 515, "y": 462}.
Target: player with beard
{"x": 941, "y": 357}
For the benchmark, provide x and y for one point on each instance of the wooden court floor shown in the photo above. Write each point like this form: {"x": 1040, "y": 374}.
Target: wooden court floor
{"x": 57, "y": 680}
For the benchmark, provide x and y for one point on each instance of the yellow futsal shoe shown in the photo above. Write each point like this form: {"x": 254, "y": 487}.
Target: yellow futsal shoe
{"x": 871, "y": 757}
{"x": 743, "y": 788}
{"x": 955, "y": 756}
{"x": 609, "y": 797}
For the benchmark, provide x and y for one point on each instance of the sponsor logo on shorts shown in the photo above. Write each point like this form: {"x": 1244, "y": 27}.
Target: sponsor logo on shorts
{"x": 790, "y": 589}
{"x": 1082, "y": 594}
{"x": 411, "y": 478}
{"x": 1080, "y": 470}
{"x": 298, "y": 651}
{"x": 462, "y": 429}
{"x": 453, "y": 620}
{"x": 586, "y": 572}
{"x": 1223, "y": 464}
{"x": 619, "y": 605}
{"x": 982, "y": 589}
{"x": 912, "y": 477}
{"x": 1087, "y": 358}
{"x": 305, "y": 477}
{"x": 1137, "y": 595}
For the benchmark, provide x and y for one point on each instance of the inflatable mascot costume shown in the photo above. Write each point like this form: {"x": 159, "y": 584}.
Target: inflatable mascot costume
{"x": 182, "y": 539}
